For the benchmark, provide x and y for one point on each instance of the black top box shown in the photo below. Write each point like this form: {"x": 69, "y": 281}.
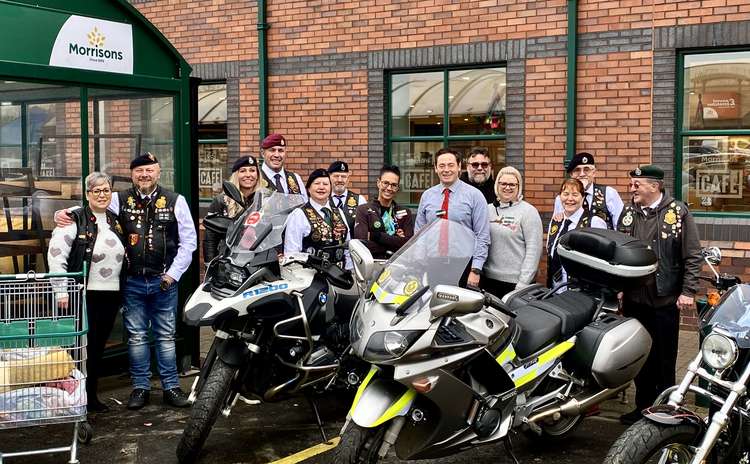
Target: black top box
{"x": 606, "y": 258}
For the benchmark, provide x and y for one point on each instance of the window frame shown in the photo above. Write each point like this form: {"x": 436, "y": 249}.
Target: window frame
{"x": 218, "y": 141}
{"x": 681, "y": 133}
{"x": 445, "y": 138}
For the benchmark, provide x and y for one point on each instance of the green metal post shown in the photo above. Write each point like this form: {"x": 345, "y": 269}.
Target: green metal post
{"x": 262, "y": 71}
{"x": 570, "y": 124}
{"x": 84, "y": 139}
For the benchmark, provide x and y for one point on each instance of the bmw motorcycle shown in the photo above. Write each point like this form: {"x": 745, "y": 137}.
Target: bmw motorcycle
{"x": 280, "y": 327}
{"x": 670, "y": 432}
{"x": 453, "y": 368}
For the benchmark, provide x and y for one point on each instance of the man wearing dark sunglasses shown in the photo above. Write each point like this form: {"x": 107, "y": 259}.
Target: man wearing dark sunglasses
{"x": 479, "y": 172}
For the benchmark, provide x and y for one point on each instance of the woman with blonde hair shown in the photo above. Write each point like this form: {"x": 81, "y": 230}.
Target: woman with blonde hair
{"x": 245, "y": 176}
{"x": 516, "y": 236}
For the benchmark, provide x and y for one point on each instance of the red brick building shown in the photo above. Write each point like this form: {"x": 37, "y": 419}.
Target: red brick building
{"x": 662, "y": 81}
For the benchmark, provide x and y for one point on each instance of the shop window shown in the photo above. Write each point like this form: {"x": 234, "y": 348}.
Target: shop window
{"x": 213, "y": 162}
{"x": 714, "y": 132}
{"x": 459, "y": 108}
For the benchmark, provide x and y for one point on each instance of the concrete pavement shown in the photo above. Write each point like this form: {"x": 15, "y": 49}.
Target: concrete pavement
{"x": 256, "y": 434}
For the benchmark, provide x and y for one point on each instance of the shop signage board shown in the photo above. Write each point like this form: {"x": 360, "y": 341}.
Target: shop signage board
{"x": 94, "y": 44}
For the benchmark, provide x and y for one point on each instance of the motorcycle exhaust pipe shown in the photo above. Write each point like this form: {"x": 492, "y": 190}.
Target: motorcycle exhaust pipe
{"x": 575, "y": 406}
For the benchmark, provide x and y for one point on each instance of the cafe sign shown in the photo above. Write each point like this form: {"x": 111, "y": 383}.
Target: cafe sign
{"x": 719, "y": 184}
{"x": 416, "y": 180}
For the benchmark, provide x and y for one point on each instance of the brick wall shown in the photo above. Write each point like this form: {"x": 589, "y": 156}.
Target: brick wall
{"x": 329, "y": 62}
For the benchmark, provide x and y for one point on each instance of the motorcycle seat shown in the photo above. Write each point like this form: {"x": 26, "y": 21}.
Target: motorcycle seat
{"x": 538, "y": 328}
{"x": 575, "y": 310}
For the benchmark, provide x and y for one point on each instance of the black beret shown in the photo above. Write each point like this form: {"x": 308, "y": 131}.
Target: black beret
{"x": 273, "y": 140}
{"x": 144, "y": 160}
{"x": 320, "y": 172}
{"x": 243, "y": 161}
{"x": 338, "y": 166}
{"x": 648, "y": 171}
{"x": 579, "y": 159}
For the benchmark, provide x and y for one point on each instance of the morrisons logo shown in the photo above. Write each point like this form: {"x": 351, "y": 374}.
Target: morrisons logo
{"x": 96, "y": 47}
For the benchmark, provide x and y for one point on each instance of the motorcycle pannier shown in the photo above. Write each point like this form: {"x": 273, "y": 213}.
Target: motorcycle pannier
{"x": 613, "y": 348}
{"x": 606, "y": 258}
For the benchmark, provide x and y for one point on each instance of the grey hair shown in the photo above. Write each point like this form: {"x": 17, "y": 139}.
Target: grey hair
{"x": 96, "y": 178}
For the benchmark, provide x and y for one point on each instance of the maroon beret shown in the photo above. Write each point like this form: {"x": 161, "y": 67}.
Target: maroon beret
{"x": 273, "y": 140}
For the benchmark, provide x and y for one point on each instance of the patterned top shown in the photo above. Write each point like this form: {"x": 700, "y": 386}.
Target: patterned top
{"x": 107, "y": 258}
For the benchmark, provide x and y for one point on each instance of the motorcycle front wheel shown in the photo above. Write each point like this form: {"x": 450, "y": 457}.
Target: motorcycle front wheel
{"x": 205, "y": 411}
{"x": 358, "y": 445}
{"x": 646, "y": 442}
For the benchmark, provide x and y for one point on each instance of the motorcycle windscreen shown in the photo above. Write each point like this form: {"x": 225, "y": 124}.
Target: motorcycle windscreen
{"x": 732, "y": 314}
{"x": 261, "y": 230}
{"x": 438, "y": 254}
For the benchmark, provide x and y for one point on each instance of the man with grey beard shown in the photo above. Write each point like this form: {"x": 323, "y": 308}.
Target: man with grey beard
{"x": 479, "y": 173}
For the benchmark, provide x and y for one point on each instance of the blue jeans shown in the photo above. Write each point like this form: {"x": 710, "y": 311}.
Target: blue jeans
{"x": 144, "y": 305}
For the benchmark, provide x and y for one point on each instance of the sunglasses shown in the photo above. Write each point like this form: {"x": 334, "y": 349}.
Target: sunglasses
{"x": 477, "y": 165}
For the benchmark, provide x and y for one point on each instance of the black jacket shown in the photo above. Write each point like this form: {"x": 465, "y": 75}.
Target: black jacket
{"x": 487, "y": 189}
{"x": 671, "y": 230}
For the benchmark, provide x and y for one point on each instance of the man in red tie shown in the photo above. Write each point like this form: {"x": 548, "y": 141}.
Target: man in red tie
{"x": 457, "y": 201}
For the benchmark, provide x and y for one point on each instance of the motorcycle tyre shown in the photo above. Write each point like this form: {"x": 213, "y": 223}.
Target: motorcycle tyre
{"x": 205, "y": 411}
{"x": 358, "y": 445}
{"x": 645, "y": 438}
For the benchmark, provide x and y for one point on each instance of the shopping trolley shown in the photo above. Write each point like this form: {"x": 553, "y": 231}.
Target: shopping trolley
{"x": 43, "y": 355}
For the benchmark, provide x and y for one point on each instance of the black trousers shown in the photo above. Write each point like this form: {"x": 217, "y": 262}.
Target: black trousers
{"x": 101, "y": 308}
{"x": 658, "y": 374}
{"x": 496, "y": 287}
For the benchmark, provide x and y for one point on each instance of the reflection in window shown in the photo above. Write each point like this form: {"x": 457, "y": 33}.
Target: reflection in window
{"x": 213, "y": 159}
{"x": 716, "y": 164}
{"x": 430, "y": 110}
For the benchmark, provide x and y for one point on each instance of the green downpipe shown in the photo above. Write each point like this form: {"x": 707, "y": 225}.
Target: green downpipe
{"x": 570, "y": 123}
{"x": 262, "y": 71}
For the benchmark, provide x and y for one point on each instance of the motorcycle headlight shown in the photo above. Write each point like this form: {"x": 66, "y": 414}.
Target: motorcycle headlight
{"x": 390, "y": 345}
{"x": 719, "y": 351}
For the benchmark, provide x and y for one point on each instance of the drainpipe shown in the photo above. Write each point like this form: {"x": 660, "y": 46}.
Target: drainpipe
{"x": 262, "y": 72}
{"x": 570, "y": 125}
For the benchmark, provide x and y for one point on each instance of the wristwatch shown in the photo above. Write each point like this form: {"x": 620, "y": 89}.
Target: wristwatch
{"x": 476, "y": 271}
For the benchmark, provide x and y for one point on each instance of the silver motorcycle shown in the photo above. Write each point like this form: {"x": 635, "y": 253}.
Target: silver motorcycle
{"x": 453, "y": 368}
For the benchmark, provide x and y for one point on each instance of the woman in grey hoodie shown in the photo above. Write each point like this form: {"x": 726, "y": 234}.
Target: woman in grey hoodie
{"x": 515, "y": 237}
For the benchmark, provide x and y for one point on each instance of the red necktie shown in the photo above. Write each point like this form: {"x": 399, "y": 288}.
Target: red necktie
{"x": 443, "y": 240}
{"x": 444, "y": 207}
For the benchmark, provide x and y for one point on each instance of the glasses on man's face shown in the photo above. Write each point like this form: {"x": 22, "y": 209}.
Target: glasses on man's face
{"x": 508, "y": 185}
{"x": 634, "y": 185}
{"x": 583, "y": 170}
{"x": 388, "y": 185}
{"x": 100, "y": 192}
{"x": 477, "y": 165}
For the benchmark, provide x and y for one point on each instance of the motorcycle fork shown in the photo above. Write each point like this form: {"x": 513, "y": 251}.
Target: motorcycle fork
{"x": 721, "y": 417}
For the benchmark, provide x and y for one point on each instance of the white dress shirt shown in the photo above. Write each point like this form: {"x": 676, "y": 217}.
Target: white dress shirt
{"x": 188, "y": 239}
{"x": 271, "y": 174}
{"x": 611, "y": 199}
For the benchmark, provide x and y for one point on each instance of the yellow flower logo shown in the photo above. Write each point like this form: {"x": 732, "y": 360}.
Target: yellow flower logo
{"x": 96, "y": 38}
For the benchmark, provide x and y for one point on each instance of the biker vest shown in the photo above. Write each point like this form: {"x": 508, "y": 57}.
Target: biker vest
{"x": 556, "y": 226}
{"x": 82, "y": 248}
{"x": 291, "y": 182}
{"x": 667, "y": 241}
{"x": 598, "y": 206}
{"x": 151, "y": 237}
{"x": 323, "y": 234}
{"x": 349, "y": 207}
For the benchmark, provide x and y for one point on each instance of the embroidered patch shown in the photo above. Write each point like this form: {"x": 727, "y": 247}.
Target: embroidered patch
{"x": 670, "y": 218}
{"x": 553, "y": 230}
{"x": 131, "y": 202}
{"x": 133, "y": 239}
{"x": 377, "y": 225}
{"x": 161, "y": 202}
{"x": 351, "y": 202}
{"x": 627, "y": 220}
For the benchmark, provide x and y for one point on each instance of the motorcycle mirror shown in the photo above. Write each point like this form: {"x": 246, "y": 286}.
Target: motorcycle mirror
{"x": 233, "y": 192}
{"x": 448, "y": 299}
{"x": 216, "y": 223}
{"x": 712, "y": 255}
{"x": 364, "y": 264}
